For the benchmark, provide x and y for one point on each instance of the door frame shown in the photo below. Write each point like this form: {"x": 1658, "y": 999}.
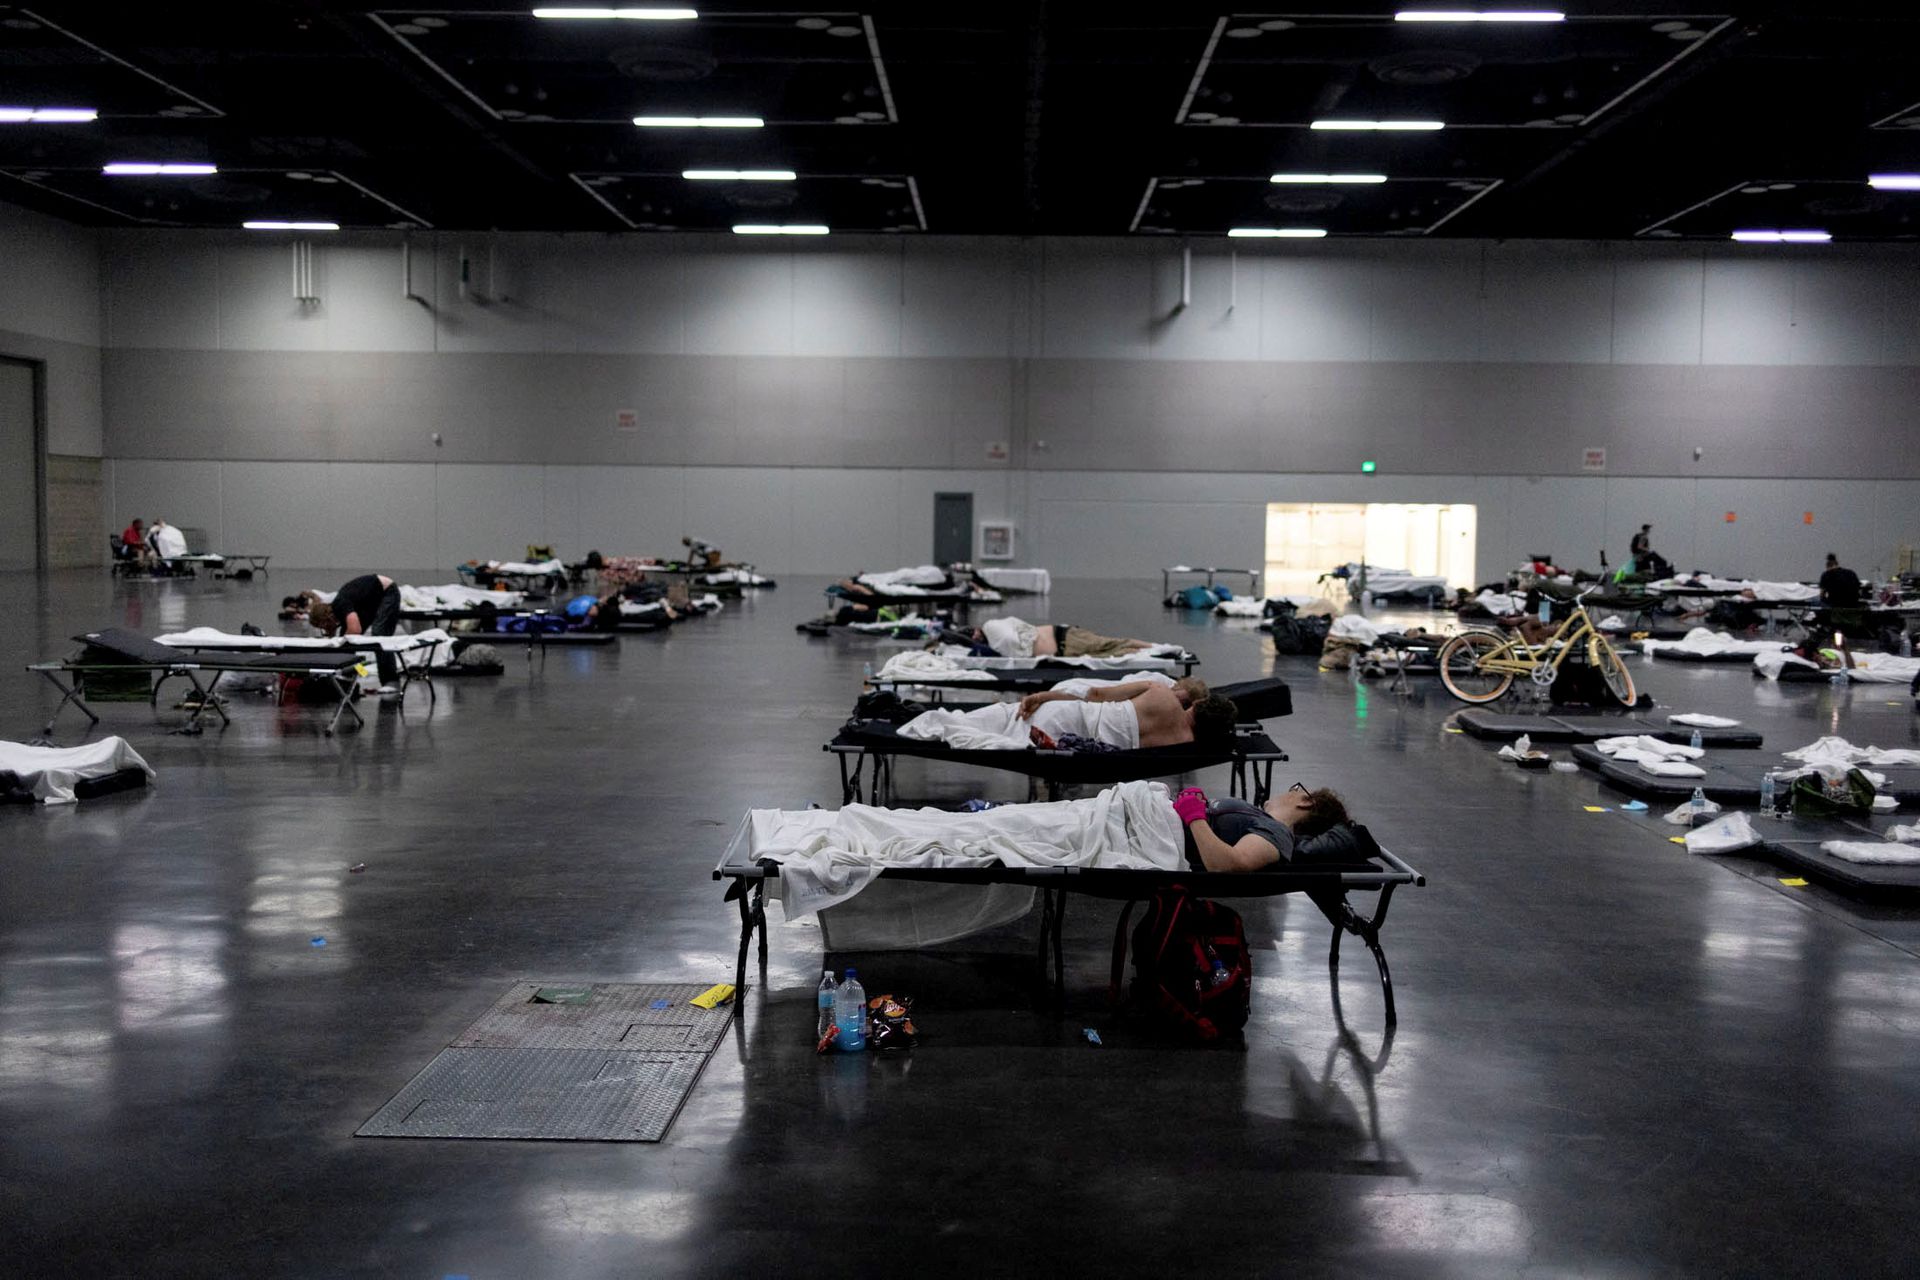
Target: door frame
{"x": 38, "y": 370}
{"x": 972, "y": 536}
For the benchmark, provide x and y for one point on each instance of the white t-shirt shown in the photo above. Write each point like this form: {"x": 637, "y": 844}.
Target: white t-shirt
{"x": 168, "y": 542}
{"x": 1010, "y": 637}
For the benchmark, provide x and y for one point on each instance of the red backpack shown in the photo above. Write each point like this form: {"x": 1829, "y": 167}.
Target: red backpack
{"x": 1192, "y": 972}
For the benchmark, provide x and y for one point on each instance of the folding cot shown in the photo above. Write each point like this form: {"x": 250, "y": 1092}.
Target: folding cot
{"x": 1727, "y": 782}
{"x": 118, "y": 652}
{"x": 1250, "y": 751}
{"x": 1483, "y": 723}
{"x": 1354, "y": 863}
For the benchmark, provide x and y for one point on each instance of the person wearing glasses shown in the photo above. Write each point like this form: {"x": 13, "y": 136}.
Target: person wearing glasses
{"x": 1232, "y": 835}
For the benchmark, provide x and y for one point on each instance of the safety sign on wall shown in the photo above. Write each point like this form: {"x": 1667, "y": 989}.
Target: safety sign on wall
{"x": 1593, "y": 460}
{"x": 626, "y": 419}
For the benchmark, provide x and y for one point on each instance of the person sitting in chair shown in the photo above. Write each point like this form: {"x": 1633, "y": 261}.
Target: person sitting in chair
{"x": 1233, "y": 835}
{"x": 168, "y": 543}
{"x": 133, "y": 542}
{"x": 368, "y": 605}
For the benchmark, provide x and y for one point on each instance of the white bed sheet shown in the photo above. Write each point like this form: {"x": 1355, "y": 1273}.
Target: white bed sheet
{"x": 1038, "y": 581}
{"x": 52, "y": 772}
{"x": 827, "y": 857}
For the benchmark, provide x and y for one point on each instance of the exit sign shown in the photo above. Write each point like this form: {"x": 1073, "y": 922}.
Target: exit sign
{"x": 1369, "y": 466}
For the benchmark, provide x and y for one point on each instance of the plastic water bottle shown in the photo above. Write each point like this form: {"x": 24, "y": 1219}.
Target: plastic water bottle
{"x": 850, "y": 1013}
{"x": 1769, "y": 795}
{"x": 824, "y": 1022}
{"x": 1366, "y": 602}
{"x": 1694, "y": 741}
{"x": 1697, "y": 807}
{"x": 1546, "y": 611}
{"x": 866, "y": 672}
{"x": 1839, "y": 678}
{"x": 1906, "y": 644}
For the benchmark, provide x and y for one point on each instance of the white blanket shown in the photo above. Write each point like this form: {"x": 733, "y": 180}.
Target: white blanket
{"x": 1668, "y": 759}
{"x": 998, "y": 726}
{"x": 1705, "y": 640}
{"x": 1882, "y": 854}
{"x": 745, "y": 577}
{"x": 51, "y": 772}
{"x": 168, "y": 542}
{"x": 1037, "y": 581}
{"x": 1351, "y": 626}
{"x": 1764, "y": 592}
{"x": 1499, "y": 603}
{"x": 454, "y": 595}
{"x": 929, "y": 664}
{"x": 1700, "y": 720}
{"x": 1839, "y": 753}
{"x": 950, "y": 662}
{"x": 212, "y": 638}
{"x": 828, "y": 857}
{"x": 523, "y": 568}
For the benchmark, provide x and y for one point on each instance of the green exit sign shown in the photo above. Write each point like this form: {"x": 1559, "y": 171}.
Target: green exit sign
{"x": 1369, "y": 466}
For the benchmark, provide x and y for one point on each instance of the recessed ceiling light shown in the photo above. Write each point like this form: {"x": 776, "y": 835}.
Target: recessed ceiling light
{"x": 1364, "y": 179}
{"x": 813, "y": 24}
{"x": 430, "y": 23}
{"x": 136, "y": 169}
{"x": 635, "y": 15}
{"x": 773, "y": 229}
{"x": 1276, "y": 233}
{"x": 1479, "y": 15}
{"x": 47, "y": 115}
{"x": 1895, "y": 181}
{"x": 1382, "y": 126}
{"x": 291, "y": 226}
{"x": 738, "y": 175}
{"x": 843, "y": 31}
{"x": 699, "y": 122}
{"x": 1782, "y": 237}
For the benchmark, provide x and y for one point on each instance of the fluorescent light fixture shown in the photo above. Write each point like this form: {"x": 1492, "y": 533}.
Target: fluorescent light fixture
{"x": 1276, "y": 233}
{"x": 699, "y": 122}
{"x": 772, "y": 229}
{"x": 1367, "y": 179}
{"x": 1782, "y": 237}
{"x": 1381, "y": 126}
{"x": 47, "y": 115}
{"x": 141, "y": 170}
{"x": 1895, "y": 181}
{"x": 738, "y": 175}
{"x": 632, "y": 15}
{"x": 1479, "y": 15}
{"x": 291, "y": 226}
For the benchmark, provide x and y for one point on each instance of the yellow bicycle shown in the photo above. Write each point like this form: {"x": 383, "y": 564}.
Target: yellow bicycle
{"x": 1479, "y": 666}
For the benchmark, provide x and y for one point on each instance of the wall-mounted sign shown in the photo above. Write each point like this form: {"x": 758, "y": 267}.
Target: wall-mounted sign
{"x": 997, "y": 451}
{"x": 1806, "y": 517}
{"x": 626, "y": 419}
{"x": 1729, "y": 517}
{"x": 1593, "y": 460}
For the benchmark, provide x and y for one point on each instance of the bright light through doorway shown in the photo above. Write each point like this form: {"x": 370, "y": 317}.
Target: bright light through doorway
{"x": 1308, "y": 539}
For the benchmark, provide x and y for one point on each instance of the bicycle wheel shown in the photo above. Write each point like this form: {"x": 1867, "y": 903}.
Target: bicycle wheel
{"x": 1462, "y": 661}
{"x": 1613, "y": 671}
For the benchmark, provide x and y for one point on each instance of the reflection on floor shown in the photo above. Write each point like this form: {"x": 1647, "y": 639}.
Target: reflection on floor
{"x": 1612, "y": 1057}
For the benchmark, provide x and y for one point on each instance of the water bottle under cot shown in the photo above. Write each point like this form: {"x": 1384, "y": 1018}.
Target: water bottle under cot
{"x": 1697, "y": 807}
{"x": 1769, "y": 795}
{"x": 850, "y": 1013}
{"x": 824, "y": 1021}
{"x": 1694, "y": 741}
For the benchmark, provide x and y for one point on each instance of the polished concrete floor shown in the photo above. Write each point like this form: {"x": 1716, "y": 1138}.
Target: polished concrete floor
{"x": 1613, "y": 1058}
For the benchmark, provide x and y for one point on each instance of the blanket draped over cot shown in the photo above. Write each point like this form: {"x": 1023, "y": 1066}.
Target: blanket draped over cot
{"x": 892, "y": 580}
{"x": 827, "y": 857}
{"x": 998, "y": 727}
{"x": 1705, "y": 640}
{"x": 449, "y": 595}
{"x": 1867, "y": 668}
{"x": 1763, "y": 592}
{"x": 1037, "y": 581}
{"x": 405, "y": 645}
{"x": 50, "y": 773}
{"x": 950, "y": 662}
{"x": 527, "y": 569}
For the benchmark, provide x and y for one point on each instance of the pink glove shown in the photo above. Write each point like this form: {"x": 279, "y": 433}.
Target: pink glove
{"x": 1190, "y": 805}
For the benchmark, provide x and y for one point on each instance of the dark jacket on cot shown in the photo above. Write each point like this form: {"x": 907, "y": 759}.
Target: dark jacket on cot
{"x": 1233, "y": 819}
{"x": 1840, "y": 588}
{"x": 361, "y": 596}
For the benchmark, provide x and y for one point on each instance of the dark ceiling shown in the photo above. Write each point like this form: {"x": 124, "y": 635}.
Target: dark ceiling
{"x": 1000, "y": 119}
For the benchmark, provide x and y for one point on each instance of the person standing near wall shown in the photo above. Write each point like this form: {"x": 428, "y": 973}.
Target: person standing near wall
{"x": 1640, "y": 548}
{"x": 1839, "y": 588}
{"x": 369, "y": 605}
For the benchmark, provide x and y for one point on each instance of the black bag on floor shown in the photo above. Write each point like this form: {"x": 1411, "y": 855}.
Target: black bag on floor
{"x": 1192, "y": 972}
{"x": 1298, "y": 635}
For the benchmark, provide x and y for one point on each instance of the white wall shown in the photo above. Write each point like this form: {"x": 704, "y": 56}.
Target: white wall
{"x": 50, "y": 311}
{"x": 1107, "y": 524}
{"x": 802, "y": 402}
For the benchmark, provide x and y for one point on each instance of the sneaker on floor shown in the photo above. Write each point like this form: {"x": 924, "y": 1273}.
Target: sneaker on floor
{"x": 387, "y": 691}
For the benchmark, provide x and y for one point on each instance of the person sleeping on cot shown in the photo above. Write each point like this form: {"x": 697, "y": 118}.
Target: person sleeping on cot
{"x": 1232, "y": 835}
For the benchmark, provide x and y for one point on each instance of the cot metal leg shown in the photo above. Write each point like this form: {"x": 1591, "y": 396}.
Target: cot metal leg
{"x": 1053, "y": 915}
{"x": 753, "y": 915}
{"x": 849, "y": 780}
{"x": 345, "y": 689}
{"x": 205, "y": 698}
{"x": 1346, "y": 920}
{"x": 69, "y": 693}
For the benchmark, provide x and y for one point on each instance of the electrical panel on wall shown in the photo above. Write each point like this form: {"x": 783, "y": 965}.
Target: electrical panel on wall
{"x": 996, "y": 540}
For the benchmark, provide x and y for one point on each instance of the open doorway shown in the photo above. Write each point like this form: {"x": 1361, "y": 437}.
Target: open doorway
{"x": 1308, "y": 539}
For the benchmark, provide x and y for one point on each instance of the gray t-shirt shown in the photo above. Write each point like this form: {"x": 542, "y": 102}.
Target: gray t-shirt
{"x": 1233, "y": 819}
